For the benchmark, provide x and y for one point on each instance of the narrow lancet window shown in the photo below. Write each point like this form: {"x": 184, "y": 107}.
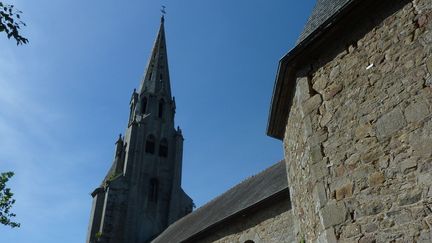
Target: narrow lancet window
{"x": 150, "y": 76}
{"x": 153, "y": 190}
{"x": 163, "y": 148}
{"x": 161, "y": 108}
{"x": 144, "y": 105}
{"x": 150, "y": 145}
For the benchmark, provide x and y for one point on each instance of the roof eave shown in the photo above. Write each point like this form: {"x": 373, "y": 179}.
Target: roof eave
{"x": 285, "y": 77}
{"x": 284, "y": 192}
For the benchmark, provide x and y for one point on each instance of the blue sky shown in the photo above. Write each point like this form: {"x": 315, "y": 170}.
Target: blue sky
{"x": 64, "y": 97}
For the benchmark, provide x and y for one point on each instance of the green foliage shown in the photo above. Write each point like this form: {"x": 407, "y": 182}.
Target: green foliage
{"x": 302, "y": 240}
{"x": 98, "y": 235}
{"x": 10, "y": 23}
{"x": 6, "y": 201}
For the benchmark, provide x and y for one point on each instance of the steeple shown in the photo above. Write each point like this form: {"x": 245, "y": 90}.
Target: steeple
{"x": 141, "y": 194}
{"x": 156, "y": 78}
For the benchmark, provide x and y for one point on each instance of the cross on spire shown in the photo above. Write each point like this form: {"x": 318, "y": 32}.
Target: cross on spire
{"x": 163, "y": 11}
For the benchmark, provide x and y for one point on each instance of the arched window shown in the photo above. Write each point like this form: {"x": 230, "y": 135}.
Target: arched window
{"x": 161, "y": 108}
{"x": 249, "y": 241}
{"x": 144, "y": 105}
{"x": 163, "y": 148}
{"x": 150, "y": 144}
{"x": 153, "y": 190}
{"x": 150, "y": 76}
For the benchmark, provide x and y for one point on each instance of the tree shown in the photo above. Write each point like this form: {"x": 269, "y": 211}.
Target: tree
{"x": 6, "y": 201}
{"x": 10, "y": 23}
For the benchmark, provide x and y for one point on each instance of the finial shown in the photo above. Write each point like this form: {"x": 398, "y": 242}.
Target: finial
{"x": 163, "y": 11}
{"x": 120, "y": 140}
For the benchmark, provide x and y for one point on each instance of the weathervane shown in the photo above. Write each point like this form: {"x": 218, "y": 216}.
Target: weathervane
{"x": 163, "y": 11}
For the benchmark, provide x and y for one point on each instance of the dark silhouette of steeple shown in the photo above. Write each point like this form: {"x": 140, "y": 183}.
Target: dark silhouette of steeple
{"x": 141, "y": 194}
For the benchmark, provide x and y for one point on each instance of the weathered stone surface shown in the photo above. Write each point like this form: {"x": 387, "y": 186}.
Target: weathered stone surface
{"x": 428, "y": 81}
{"x": 303, "y": 89}
{"x": 371, "y": 227}
{"x": 334, "y": 72}
{"x": 319, "y": 84}
{"x": 363, "y": 130}
{"x": 367, "y": 239}
{"x": 376, "y": 178}
{"x": 373, "y": 130}
{"x": 425, "y": 237}
{"x": 416, "y": 112}
{"x": 408, "y": 164}
{"x": 326, "y": 118}
{"x": 390, "y": 123}
{"x": 317, "y": 138}
{"x": 421, "y": 145}
{"x": 428, "y": 221}
{"x": 327, "y": 236}
{"x": 429, "y": 64}
{"x": 316, "y": 154}
{"x": 400, "y": 216}
{"x": 410, "y": 197}
{"x": 311, "y": 104}
{"x": 340, "y": 170}
{"x": 319, "y": 195}
{"x": 372, "y": 207}
{"x": 333, "y": 214}
{"x": 270, "y": 224}
{"x": 319, "y": 170}
{"x": 331, "y": 91}
{"x": 371, "y": 155}
{"x": 351, "y": 230}
{"x": 345, "y": 191}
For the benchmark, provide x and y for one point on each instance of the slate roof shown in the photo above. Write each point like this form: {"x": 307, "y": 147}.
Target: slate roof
{"x": 323, "y": 11}
{"x": 248, "y": 193}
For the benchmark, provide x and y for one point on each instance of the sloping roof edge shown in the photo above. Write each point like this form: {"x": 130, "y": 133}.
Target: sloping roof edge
{"x": 278, "y": 194}
{"x": 248, "y": 194}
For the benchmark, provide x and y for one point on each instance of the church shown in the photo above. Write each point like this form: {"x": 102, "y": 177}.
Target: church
{"x": 352, "y": 104}
{"x": 141, "y": 194}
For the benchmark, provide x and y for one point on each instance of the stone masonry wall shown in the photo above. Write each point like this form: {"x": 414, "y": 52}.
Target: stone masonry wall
{"x": 273, "y": 223}
{"x": 358, "y": 140}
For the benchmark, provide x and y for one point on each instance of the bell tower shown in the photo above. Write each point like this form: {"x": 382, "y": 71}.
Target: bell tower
{"x": 141, "y": 194}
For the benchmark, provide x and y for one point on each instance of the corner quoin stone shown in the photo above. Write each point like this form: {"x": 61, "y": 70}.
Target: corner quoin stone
{"x": 311, "y": 104}
{"x": 333, "y": 214}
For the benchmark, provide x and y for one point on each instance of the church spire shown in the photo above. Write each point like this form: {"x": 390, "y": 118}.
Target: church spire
{"x": 141, "y": 194}
{"x": 156, "y": 78}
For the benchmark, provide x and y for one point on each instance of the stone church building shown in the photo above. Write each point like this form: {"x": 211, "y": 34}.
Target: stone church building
{"x": 141, "y": 194}
{"x": 352, "y": 103}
